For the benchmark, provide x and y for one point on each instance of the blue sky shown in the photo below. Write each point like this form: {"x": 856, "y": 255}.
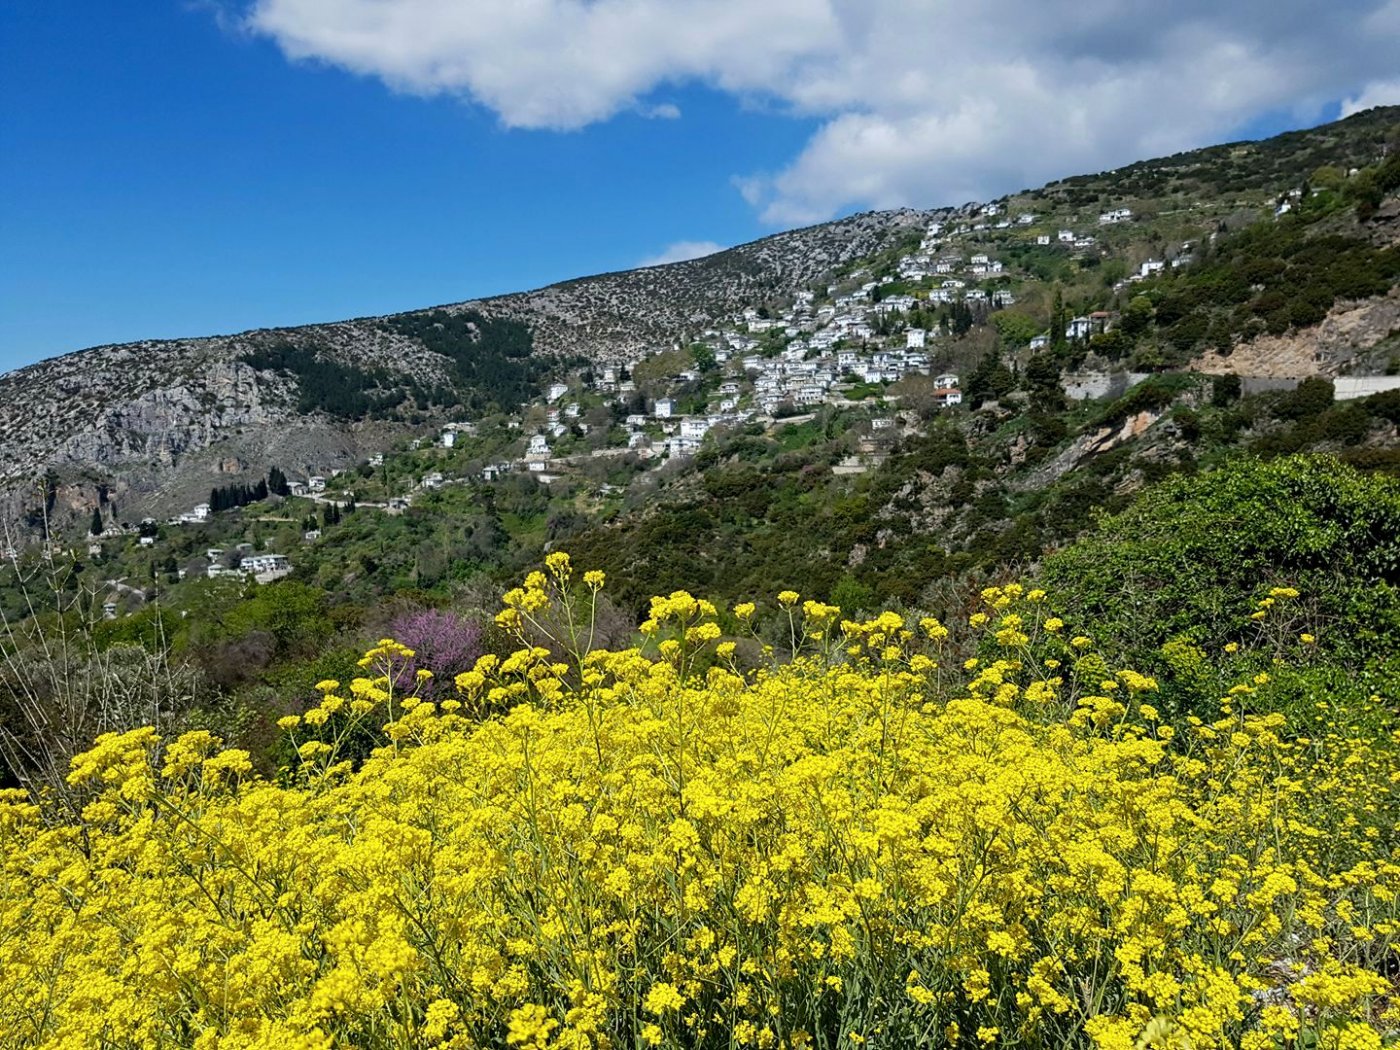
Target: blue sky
{"x": 172, "y": 168}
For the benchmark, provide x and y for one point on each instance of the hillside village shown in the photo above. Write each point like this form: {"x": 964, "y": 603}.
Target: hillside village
{"x": 884, "y": 339}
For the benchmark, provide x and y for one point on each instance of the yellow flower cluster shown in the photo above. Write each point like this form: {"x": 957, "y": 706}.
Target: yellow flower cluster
{"x": 850, "y": 849}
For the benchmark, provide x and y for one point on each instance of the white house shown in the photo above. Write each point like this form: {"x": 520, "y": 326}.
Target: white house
{"x": 694, "y": 428}
{"x": 947, "y": 379}
{"x": 1117, "y": 215}
{"x": 1078, "y": 328}
{"x": 267, "y": 567}
{"x": 1042, "y": 239}
{"x": 316, "y": 483}
{"x": 914, "y": 338}
{"x": 1066, "y": 236}
{"x": 556, "y": 391}
{"x": 665, "y": 408}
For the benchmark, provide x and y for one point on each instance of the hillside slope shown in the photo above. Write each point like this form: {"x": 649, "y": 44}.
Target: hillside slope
{"x": 161, "y": 420}
{"x": 152, "y": 425}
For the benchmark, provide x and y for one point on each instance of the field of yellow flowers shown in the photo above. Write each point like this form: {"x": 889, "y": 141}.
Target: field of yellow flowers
{"x": 861, "y": 844}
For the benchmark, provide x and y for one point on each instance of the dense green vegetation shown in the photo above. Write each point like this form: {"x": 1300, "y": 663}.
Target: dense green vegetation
{"x": 493, "y": 360}
{"x": 1191, "y": 560}
{"x": 1238, "y": 167}
{"x": 492, "y": 367}
{"x": 1271, "y": 277}
{"x": 326, "y": 385}
{"x": 962, "y": 496}
{"x": 239, "y": 494}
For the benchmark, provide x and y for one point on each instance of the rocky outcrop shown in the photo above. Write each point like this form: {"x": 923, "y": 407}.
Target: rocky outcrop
{"x": 1096, "y": 443}
{"x": 1342, "y": 342}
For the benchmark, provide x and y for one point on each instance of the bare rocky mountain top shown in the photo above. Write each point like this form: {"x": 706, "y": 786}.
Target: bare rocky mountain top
{"x": 617, "y": 315}
{"x": 155, "y": 402}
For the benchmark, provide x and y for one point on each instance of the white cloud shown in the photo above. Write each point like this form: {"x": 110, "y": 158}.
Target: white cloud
{"x": 549, "y": 63}
{"x": 1376, "y": 93}
{"x": 919, "y": 101}
{"x": 680, "y": 251}
{"x": 661, "y": 111}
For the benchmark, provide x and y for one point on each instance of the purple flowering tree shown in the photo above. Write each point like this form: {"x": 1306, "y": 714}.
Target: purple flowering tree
{"x": 443, "y": 643}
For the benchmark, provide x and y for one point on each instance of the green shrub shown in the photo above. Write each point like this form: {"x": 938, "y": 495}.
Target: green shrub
{"x": 1191, "y": 557}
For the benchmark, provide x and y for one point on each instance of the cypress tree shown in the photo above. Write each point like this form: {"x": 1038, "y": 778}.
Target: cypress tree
{"x": 277, "y": 482}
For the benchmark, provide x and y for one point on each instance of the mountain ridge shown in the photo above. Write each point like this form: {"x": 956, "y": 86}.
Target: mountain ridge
{"x": 153, "y": 422}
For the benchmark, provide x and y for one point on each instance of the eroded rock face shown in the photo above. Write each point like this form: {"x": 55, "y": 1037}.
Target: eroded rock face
{"x": 1102, "y": 440}
{"x": 1334, "y": 346}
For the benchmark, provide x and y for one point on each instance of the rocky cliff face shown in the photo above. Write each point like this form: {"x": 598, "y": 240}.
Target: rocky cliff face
{"x": 155, "y": 424}
{"x": 1354, "y": 338}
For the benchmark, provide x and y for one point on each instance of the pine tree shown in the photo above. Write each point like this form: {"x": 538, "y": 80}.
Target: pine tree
{"x": 96, "y": 527}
